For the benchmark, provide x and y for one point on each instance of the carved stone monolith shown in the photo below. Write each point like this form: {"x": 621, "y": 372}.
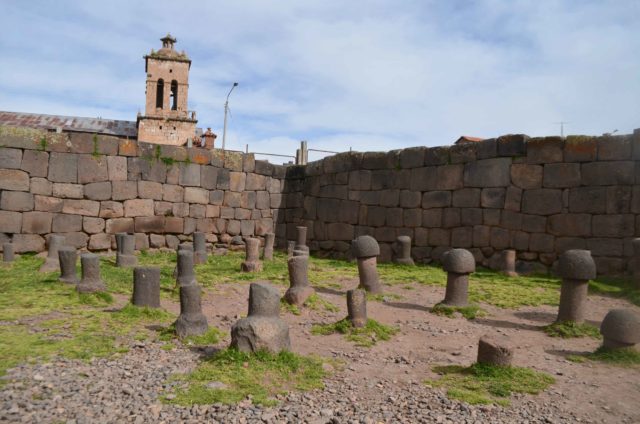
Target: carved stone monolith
{"x": 458, "y": 263}
{"x": 8, "y": 253}
{"x": 125, "y": 253}
{"x": 263, "y": 328}
{"x": 269, "y": 239}
{"x": 508, "y": 263}
{"x": 495, "y": 350}
{"x": 52, "y": 262}
{"x": 620, "y": 328}
{"x": 301, "y": 239}
{"x": 91, "y": 281}
{"x": 191, "y": 321}
{"x": 185, "y": 274}
{"x": 146, "y": 286}
{"x": 576, "y": 267}
{"x": 68, "y": 256}
{"x": 366, "y": 250}
{"x": 199, "y": 248}
{"x": 252, "y": 260}
{"x": 299, "y": 289}
{"x": 357, "y": 307}
{"x": 402, "y": 251}
{"x": 291, "y": 246}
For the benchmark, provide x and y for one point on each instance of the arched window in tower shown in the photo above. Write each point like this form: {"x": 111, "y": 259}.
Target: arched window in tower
{"x": 174, "y": 95}
{"x": 160, "y": 94}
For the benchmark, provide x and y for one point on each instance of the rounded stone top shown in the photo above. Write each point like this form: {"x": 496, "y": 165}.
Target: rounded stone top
{"x": 577, "y": 264}
{"x": 621, "y": 325}
{"x": 460, "y": 261}
{"x": 403, "y": 239}
{"x": 364, "y": 247}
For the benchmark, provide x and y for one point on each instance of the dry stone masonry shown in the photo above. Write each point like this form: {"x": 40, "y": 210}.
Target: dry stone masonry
{"x": 537, "y": 196}
{"x": 576, "y": 267}
{"x": 263, "y": 328}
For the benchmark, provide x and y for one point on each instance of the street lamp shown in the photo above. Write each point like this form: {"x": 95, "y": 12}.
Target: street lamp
{"x": 226, "y": 110}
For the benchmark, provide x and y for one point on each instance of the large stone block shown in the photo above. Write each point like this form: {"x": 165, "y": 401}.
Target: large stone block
{"x": 360, "y": 180}
{"x": 462, "y": 237}
{"x": 613, "y": 225}
{"x": 540, "y": 242}
{"x": 68, "y": 191}
{"x": 63, "y": 168}
{"x": 36, "y": 222}
{"x": 13, "y": 179}
{"x": 451, "y": 217}
{"x": 436, "y": 199}
{"x": 608, "y": 173}
{"x": 605, "y": 246}
{"x": 412, "y": 218}
{"x": 172, "y": 193}
{"x": 466, "y": 198}
{"x": 526, "y": 176}
{"x": 149, "y": 224}
{"x": 393, "y": 217}
{"x": 10, "y": 222}
{"x": 92, "y": 225}
{"x": 209, "y": 177}
{"x": 618, "y": 199}
{"x": 98, "y": 191}
{"x": 196, "y": 195}
{"x": 190, "y": 174}
{"x": 439, "y": 237}
{"x": 138, "y": 207}
{"x": 109, "y": 209}
{"x": 100, "y": 242}
{"x": 92, "y": 169}
{"x": 389, "y": 198}
{"x": 437, "y": 156}
{"x": 561, "y": 175}
{"x": 10, "y": 158}
{"x": 448, "y": 177}
{"x": 117, "y": 167}
{"x": 35, "y": 162}
{"x": 570, "y": 225}
{"x": 481, "y": 235}
{"x": 512, "y": 145}
{"x": 500, "y": 238}
{"x": 488, "y": 173}
{"x": 19, "y": 201}
{"x": 492, "y": 197}
{"x": 340, "y": 231}
{"x": 432, "y": 218}
{"x": 237, "y": 181}
{"x": 124, "y": 190}
{"x": 65, "y": 223}
{"x": 76, "y": 239}
{"x": 119, "y": 225}
{"x": 614, "y": 147}
{"x": 41, "y": 186}
{"x": 412, "y": 157}
{"x": 580, "y": 148}
{"x": 47, "y": 204}
{"x": 542, "y": 201}
{"x": 81, "y": 207}
{"x": 534, "y": 223}
{"x": 28, "y": 243}
{"x": 462, "y": 153}
{"x": 511, "y": 220}
{"x": 149, "y": 190}
{"x": 470, "y": 216}
{"x": 255, "y": 182}
{"x": 588, "y": 199}
{"x": 545, "y": 150}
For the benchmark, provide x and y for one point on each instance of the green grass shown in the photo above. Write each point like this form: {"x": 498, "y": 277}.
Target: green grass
{"x": 624, "y": 357}
{"x": 485, "y": 384}
{"x": 365, "y": 336}
{"x": 211, "y": 337}
{"x": 570, "y": 329}
{"x": 469, "y": 312}
{"x": 313, "y": 302}
{"x": 237, "y": 375}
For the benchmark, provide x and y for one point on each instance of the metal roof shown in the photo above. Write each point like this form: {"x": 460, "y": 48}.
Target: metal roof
{"x": 69, "y": 123}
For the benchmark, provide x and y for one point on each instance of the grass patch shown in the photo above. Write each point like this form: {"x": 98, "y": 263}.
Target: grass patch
{"x": 469, "y": 312}
{"x": 211, "y": 337}
{"x": 231, "y": 376}
{"x": 132, "y": 313}
{"x": 485, "y": 384}
{"x": 365, "y": 336}
{"x": 95, "y": 299}
{"x": 570, "y": 329}
{"x": 624, "y": 357}
{"x": 314, "y": 302}
{"x": 383, "y": 297}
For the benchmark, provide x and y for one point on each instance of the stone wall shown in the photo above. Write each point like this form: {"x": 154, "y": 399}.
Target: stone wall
{"x": 90, "y": 187}
{"x": 539, "y": 196}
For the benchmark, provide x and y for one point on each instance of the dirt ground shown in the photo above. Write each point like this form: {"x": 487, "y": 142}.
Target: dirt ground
{"x": 590, "y": 391}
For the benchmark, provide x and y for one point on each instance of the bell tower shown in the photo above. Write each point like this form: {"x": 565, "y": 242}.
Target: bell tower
{"x": 166, "y": 119}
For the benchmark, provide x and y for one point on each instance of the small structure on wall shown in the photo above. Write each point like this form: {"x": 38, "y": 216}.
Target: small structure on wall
{"x": 166, "y": 119}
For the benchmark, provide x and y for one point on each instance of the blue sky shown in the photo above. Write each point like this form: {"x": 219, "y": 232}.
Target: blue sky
{"x": 366, "y": 75}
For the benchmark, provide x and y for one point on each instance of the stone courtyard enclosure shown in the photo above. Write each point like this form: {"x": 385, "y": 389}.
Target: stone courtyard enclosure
{"x": 94, "y": 357}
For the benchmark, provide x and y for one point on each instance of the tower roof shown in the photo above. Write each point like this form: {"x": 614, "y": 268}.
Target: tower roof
{"x": 167, "y": 51}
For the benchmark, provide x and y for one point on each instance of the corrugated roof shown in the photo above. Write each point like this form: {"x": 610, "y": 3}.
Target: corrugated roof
{"x": 69, "y": 123}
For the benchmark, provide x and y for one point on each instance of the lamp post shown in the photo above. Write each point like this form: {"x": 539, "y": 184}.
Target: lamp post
{"x": 226, "y": 110}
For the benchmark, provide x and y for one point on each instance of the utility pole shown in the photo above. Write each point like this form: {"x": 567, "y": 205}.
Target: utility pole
{"x": 561, "y": 123}
{"x": 226, "y": 111}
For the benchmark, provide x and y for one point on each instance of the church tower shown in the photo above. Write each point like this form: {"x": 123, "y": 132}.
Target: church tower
{"x": 166, "y": 119}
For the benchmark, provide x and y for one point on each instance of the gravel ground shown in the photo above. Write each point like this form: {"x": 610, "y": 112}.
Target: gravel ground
{"x": 127, "y": 389}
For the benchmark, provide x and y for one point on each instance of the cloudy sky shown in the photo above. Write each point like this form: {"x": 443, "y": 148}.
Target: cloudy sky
{"x": 366, "y": 75}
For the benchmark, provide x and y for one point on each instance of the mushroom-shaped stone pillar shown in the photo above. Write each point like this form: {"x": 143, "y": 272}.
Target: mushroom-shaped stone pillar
{"x": 269, "y": 239}
{"x": 186, "y": 276}
{"x": 357, "y": 307}
{"x": 300, "y": 289}
{"x": 191, "y": 321}
{"x": 91, "y": 281}
{"x": 146, "y": 286}
{"x": 508, "y": 262}
{"x": 636, "y": 262}
{"x": 68, "y": 257}
{"x": 291, "y": 246}
{"x": 576, "y": 267}
{"x": 125, "y": 253}
{"x": 458, "y": 263}
{"x": 52, "y": 263}
{"x": 252, "y": 260}
{"x": 8, "y": 254}
{"x": 199, "y": 248}
{"x": 620, "y": 328}
{"x": 366, "y": 250}
{"x": 402, "y": 251}
{"x": 301, "y": 239}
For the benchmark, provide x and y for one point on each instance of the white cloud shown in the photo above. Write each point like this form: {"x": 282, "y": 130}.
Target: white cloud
{"x": 374, "y": 75}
